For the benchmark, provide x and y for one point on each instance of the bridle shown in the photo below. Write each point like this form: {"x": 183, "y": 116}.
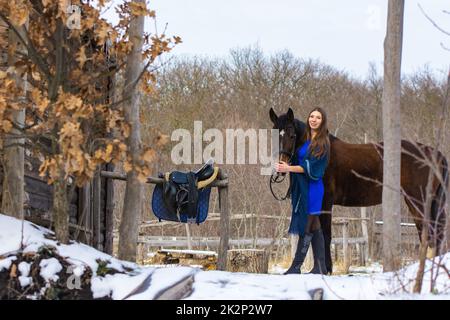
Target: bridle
{"x": 278, "y": 178}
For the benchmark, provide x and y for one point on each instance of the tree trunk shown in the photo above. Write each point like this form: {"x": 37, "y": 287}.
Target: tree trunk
{"x": 61, "y": 210}
{"x": 131, "y": 216}
{"x": 392, "y": 136}
{"x": 13, "y": 164}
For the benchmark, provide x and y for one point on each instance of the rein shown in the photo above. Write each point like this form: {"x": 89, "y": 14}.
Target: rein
{"x": 276, "y": 177}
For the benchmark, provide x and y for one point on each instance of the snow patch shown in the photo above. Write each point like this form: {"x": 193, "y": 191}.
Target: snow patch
{"x": 162, "y": 279}
{"x": 24, "y": 269}
{"x": 6, "y": 263}
{"x": 117, "y": 286}
{"x": 49, "y": 269}
{"x": 25, "y": 281}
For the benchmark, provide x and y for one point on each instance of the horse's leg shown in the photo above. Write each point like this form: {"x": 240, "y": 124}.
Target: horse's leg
{"x": 438, "y": 214}
{"x": 325, "y": 222}
{"x": 438, "y": 223}
{"x": 416, "y": 212}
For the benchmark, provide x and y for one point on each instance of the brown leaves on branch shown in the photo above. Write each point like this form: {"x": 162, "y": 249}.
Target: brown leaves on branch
{"x": 80, "y": 127}
{"x": 18, "y": 11}
{"x": 140, "y": 9}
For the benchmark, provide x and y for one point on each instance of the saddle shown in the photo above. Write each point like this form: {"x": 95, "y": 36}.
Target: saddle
{"x": 182, "y": 193}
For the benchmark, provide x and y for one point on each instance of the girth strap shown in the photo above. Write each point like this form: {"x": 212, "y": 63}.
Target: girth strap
{"x": 192, "y": 195}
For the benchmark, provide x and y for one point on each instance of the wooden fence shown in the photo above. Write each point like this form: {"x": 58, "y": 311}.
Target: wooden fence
{"x": 222, "y": 184}
{"x": 361, "y": 243}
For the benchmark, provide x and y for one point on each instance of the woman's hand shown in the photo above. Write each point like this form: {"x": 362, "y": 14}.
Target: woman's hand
{"x": 282, "y": 167}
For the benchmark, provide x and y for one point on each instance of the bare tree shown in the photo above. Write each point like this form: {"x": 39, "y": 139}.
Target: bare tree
{"x": 131, "y": 216}
{"x": 391, "y": 205}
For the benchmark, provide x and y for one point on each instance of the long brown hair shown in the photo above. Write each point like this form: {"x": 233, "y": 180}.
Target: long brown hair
{"x": 320, "y": 145}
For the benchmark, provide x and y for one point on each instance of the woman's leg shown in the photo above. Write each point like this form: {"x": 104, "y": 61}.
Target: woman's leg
{"x": 318, "y": 246}
{"x": 313, "y": 223}
{"x": 303, "y": 245}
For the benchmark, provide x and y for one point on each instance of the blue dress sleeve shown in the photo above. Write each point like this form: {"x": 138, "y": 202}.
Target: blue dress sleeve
{"x": 314, "y": 167}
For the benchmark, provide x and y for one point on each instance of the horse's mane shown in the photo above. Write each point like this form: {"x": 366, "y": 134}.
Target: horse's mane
{"x": 332, "y": 137}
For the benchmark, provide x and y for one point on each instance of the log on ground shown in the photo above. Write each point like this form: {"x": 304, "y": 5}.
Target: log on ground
{"x": 248, "y": 260}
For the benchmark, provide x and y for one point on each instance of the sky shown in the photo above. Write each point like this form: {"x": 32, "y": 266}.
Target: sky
{"x": 346, "y": 34}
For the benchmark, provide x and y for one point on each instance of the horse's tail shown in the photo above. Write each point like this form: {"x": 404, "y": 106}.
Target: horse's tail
{"x": 438, "y": 214}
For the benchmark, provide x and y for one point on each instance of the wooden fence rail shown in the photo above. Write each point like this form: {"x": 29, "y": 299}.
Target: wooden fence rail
{"x": 181, "y": 241}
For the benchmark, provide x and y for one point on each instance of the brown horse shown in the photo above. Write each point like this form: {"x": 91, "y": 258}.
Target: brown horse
{"x": 354, "y": 177}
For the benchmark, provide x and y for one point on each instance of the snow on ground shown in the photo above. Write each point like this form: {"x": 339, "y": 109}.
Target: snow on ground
{"x": 49, "y": 269}
{"x": 6, "y": 263}
{"x": 146, "y": 282}
{"x": 374, "y": 267}
{"x": 24, "y": 269}
{"x": 164, "y": 278}
{"x": 34, "y": 238}
{"x": 118, "y": 285}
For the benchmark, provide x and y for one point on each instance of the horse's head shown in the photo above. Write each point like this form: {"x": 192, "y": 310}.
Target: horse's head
{"x": 291, "y": 133}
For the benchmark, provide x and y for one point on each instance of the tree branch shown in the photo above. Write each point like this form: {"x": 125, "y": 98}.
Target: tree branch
{"x": 59, "y": 46}
{"x": 432, "y": 21}
{"x": 16, "y": 144}
{"x": 32, "y": 53}
{"x": 444, "y": 47}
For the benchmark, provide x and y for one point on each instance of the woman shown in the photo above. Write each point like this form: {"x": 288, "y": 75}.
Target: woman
{"x": 307, "y": 169}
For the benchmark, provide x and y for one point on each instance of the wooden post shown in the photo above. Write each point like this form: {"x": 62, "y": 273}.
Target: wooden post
{"x": 345, "y": 245}
{"x": 335, "y": 248}
{"x": 188, "y": 236}
{"x": 294, "y": 243}
{"x": 83, "y": 214}
{"x": 224, "y": 232}
{"x": 109, "y": 212}
{"x": 365, "y": 232}
{"x": 96, "y": 207}
{"x": 343, "y": 221}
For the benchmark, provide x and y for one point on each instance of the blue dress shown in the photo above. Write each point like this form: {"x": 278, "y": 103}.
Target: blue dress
{"x": 316, "y": 189}
{"x": 307, "y": 189}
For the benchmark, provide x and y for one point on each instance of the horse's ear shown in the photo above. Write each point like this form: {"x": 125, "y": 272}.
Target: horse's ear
{"x": 290, "y": 115}
{"x": 273, "y": 116}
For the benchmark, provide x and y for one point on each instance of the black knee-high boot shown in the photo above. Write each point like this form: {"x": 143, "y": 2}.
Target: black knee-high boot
{"x": 300, "y": 253}
{"x": 318, "y": 247}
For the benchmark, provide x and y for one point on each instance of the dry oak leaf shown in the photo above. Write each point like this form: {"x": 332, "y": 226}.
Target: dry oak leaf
{"x": 13, "y": 272}
{"x": 140, "y": 9}
{"x": 127, "y": 166}
{"x": 81, "y": 56}
{"x": 6, "y": 125}
{"x": 18, "y": 13}
{"x": 149, "y": 155}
